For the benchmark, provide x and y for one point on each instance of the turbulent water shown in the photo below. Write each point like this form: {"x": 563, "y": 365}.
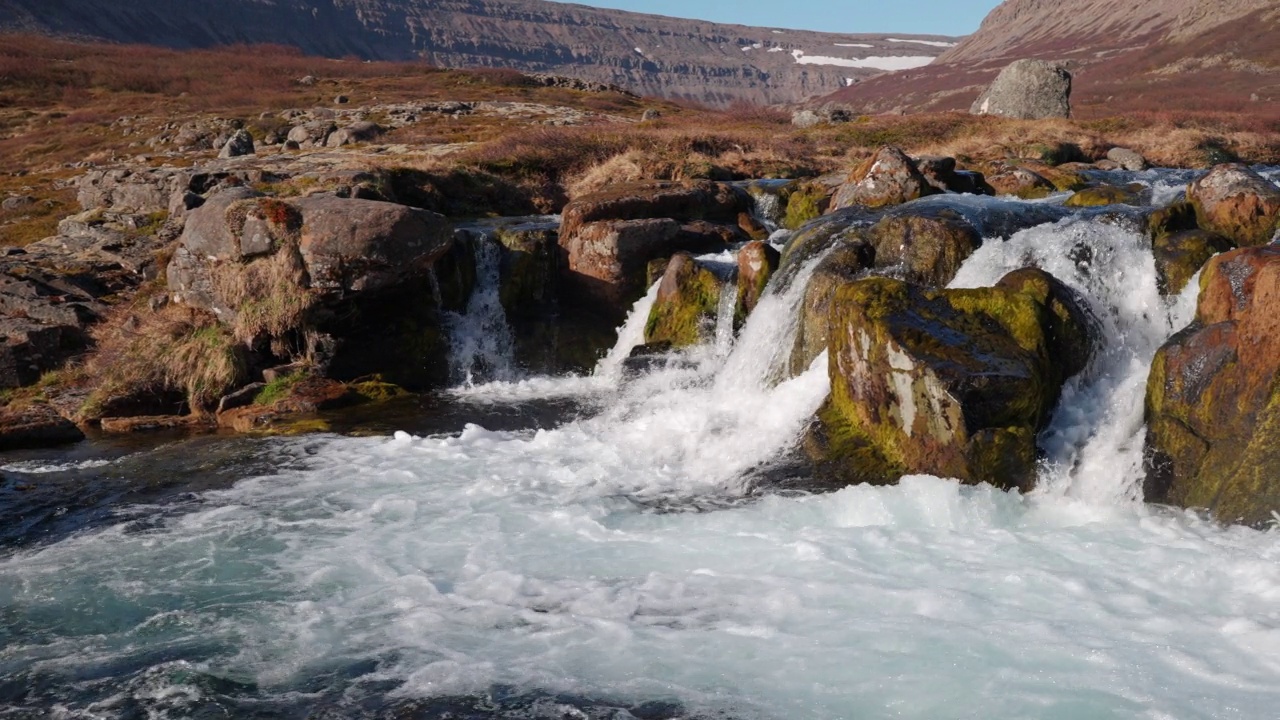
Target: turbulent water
{"x": 638, "y": 558}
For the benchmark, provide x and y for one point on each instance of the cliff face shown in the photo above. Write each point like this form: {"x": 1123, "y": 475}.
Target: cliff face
{"x": 1125, "y": 55}
{"x": 649, "y": 54}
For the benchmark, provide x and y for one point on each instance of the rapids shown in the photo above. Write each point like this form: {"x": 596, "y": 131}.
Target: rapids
{"x": 646, "y": 551}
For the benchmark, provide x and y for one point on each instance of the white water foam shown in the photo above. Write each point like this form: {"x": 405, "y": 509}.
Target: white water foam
{"x": 1094, "y": 441}
{"x": 614, "y": 557}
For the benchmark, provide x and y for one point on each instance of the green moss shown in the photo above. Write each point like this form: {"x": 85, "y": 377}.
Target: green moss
{"x": 278, "y": 389}
{"x": 686, "y": 306}
{"x": 1103, "y": 195}
{"x": 377, "y": 390}
{"x": 804, "y": 203}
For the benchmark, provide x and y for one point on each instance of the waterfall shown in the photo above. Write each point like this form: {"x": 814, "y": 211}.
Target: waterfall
{"x": 481, "y": 345}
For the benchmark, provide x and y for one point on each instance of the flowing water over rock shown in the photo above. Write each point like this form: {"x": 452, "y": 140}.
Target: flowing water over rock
{"x": 642, "y": 557}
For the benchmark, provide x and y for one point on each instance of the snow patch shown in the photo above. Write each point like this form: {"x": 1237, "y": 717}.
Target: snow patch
{"x": 935, "y": 43}
{"x": 863, "y": 45}
{"x": 877, "y": 62}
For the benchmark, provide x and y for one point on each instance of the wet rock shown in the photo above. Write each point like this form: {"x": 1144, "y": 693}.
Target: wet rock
{"x": 684, "y": 312}
{"x": 1132, "y": 194}
{"x": 1180, "y": 255}
{"x": 1234, "y": 201}
{"x": 1213, "y": 404}
{"x": 804, "y": 202}
{"x": 889, "y": 178}
{"x": 1008, "y": 179}
{"x": 240, "y": 144}
{"x": 927, "y": 245}
{"x": 683, "y": 201}
{"x": 848, "y": 261}
{"x": 1029, "y": 90}
{"x": 941, "y": 173}
{"x": 757, "y": 262}
{"x": 35, "y": 426}
{"x": 1127, "y": 159}
{"x": 240, "y": 398}
{"x": 152, "y": 423}
{"x": 530, "y": 268}
{"x": 954, "y": 382}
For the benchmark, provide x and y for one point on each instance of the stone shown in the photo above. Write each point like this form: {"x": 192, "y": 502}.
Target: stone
{"x": 684, "y": 312}
{"x": 1180, "y": 255}
{"x": 1234, "y": 201}
{"x": 926, "y": 245}
{"x": 240, "y": 398}
{"x": 805, "y": 119}
{"x": 941, "y": 173}
{"x": 35, "y": 426}
{"x": 650, "y": 115}
{"x": 1020, "y": 182}
{"x": 757, "y": 262}
{"x": 341, "y": 100}
{"x": 358, "y": 132}
{"x": 1134, "y": 194}
{"x": 847, "y": 262}
{"x": 955, "y": 383}
{"x": 1127, "y": 159}
{"x": 607, "y": 239}
{"x": 311, "y": 134}
{"x": 240, "y": 144}
{"x": 1213, "y": 402}
{"x": 1028, "y": 90}
{"x": 889, "y": 178}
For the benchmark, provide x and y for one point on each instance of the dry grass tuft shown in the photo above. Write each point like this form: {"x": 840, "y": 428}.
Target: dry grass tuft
{"x": 268, "y": 298}
{"x": 176, "y": 348}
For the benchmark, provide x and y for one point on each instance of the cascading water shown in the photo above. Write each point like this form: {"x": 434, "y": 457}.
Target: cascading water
{"x": 620, "y": 566}
{"x": 481, "y": 346}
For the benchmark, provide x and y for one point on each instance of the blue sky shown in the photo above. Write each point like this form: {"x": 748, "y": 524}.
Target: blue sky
{"x": 940, "y": 17}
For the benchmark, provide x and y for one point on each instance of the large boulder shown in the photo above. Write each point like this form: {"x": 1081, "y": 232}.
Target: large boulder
{"x": 1213, "y": 396}
{"x": 1235, "y": 202}
{"x": 1028, "y": 90}
{"x": 888, "y": 178}
{"x": 607, "y": 239}
{"x": 323, "y": 246}
{"x": 954, "y": 383}
{"x": 240, "y": 144}
{"x": 685, "y": 310}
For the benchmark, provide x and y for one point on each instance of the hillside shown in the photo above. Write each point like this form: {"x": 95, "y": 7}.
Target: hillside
{"x": 651, "y": 55}
{"x": 1127, "y": 55}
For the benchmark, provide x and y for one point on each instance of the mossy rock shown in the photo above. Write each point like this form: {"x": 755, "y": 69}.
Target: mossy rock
{"x": 1237, "y": 203}
{"x": 1213, "y": 396}
{"x": 928, "y": 244}
{"x": 805, "y": 202}
{"x": 844, "y": 264}
{"x": 1107, "y": 195}
{"x": 1180, "y": 255}
{"x": 529, "y": 269}
{"x": 685, "y": 310}
{"x": 757, "y": 262}
{"x": 955, "y": 383}
{"x": 1170, "y": 219}
{"x": 1063, "y": 179}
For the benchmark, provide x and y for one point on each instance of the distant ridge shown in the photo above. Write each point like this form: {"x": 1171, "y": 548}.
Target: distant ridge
{"x": 1125, "y": 54}
{"x": 707, "y": 62}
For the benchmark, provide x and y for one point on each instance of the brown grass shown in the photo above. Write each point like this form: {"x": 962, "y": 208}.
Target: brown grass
{"x": 177, "y": 348}
{"x": 268, "y": 298}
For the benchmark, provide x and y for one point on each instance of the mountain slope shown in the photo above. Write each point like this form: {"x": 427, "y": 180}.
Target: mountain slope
{"x": 649, "y": 54}
{"x": 1125, "y": 54}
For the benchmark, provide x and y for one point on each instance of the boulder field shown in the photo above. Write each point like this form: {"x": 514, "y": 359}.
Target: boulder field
{"x": 343, "y": 294}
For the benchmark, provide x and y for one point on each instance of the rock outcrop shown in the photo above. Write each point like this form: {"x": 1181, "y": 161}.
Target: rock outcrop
{"x": 609, "y": 238}
{"x": 1213, "y": 400}
{"x": 954, "y": 382}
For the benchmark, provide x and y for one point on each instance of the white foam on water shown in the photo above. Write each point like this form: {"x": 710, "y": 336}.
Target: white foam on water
{"x": 1094, "y": 441}
{"x": 44, "y": 467}
{"x": 618, "y": 557}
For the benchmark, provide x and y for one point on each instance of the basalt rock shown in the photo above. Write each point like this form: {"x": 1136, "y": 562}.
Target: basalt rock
{"x": 33, "y": 426}
{"x": 1235, "y": 202}
{"x": 927, "y": 244}
{"x": 953, "y": 382}
{"x": 1213, "y": 400}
